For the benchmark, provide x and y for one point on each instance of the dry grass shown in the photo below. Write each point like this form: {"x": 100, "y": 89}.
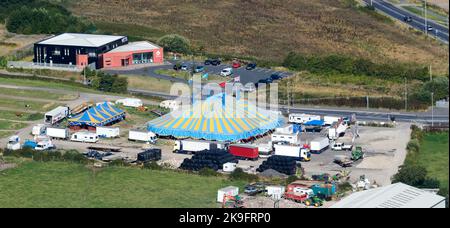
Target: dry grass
{"x": 12, "y": 42}
{"x": 270, "y": 29}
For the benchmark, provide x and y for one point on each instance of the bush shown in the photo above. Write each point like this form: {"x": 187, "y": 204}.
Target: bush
{"x": 413, "y": 146}
{"x": 106, "y": 82}
{"x": 239, "y": 174}
{"x": 415, "y": 175}
{"x": 207, "y": 172}
{"x": 175, "y": 43}
{"x": 291, "y": 179}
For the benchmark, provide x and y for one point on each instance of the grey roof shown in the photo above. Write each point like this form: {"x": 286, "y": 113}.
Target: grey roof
{"x": 82, "y": 40}
{"x": 397, "y": 195}
{"x": 135, "y": 46}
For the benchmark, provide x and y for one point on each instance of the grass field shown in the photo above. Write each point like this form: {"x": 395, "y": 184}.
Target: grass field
{"x": 8, "y": 125}
{"x": 66, "y": 185}
{"x": 268, "y": 29}
{"x": 46, "y": 84}
{"x": 14, "y": 104}
{"x": 11, "y": 115}
{"x": 36, "y": 94}
{"x": 148, "y": 83}
{"x": 434, "y": 155}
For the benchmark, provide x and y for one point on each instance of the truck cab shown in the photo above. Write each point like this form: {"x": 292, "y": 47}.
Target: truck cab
{"x": 13, "y": 143}
{"x": 305, "y": 155}
{"x": 44, "y": 145}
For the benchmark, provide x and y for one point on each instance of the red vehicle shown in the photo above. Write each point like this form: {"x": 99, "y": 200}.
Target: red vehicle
{"x": 299, "y": 198}
{"x": 236, "y": 64}
{"x": 244, "y": 152}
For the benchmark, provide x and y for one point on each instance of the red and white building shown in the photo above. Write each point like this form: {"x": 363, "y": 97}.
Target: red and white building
{"x": 134, "y": 53}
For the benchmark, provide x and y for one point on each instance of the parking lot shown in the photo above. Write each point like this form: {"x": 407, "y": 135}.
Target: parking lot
{"x": 247, "y": 76}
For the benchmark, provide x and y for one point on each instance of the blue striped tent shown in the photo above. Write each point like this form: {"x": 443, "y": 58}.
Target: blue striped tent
{"x": 100, "y": 115}
{"x": 217, "y": 120}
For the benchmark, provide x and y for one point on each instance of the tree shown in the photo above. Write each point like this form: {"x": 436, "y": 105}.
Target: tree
{"x": 120, "y": 85}
{"x": 415, "y": 175}
{"x": 439, "y": 86}
{"x": 175, "y": 43}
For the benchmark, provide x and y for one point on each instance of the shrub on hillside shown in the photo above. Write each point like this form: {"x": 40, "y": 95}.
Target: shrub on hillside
{"x": 239, "y": 174}
{"x": 175, "y": 43}
{"x": 415, "y": 175}
{"x": 208, "y": 172}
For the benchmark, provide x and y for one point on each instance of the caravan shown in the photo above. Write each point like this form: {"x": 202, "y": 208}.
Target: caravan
{"x": 85, "y": 137}
{"x": 302, "y": 118}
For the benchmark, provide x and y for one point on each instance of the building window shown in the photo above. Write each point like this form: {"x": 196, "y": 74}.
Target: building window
{"x": 66, "y": 52}
{"x": 57, "y": 51}
{"x": 92, "y": 54}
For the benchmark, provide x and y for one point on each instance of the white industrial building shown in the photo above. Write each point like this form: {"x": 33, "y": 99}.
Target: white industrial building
{"x": 397, "y": 195}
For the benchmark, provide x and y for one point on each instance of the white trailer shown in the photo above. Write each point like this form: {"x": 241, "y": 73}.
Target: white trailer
{"x": 108, "y": 132}
{"x": 330, "y": 120}
{"x": 302, "y": 118}
{"x": 228, "y": 191}
{"x": 142, "y": 136}
{"x": 56, "y": 115}
{"x": 191, "y": 146}
{"x": 57, "y": 133}
{"x": 298, "y": 152}
{"x": 130, "y": 102}
{"x": 39, "y": 129}
{"x": 318, "y": 145}
{"x": 293, "y": 138}
{"x": 13, "y": 143}
{"x": 85, "y": 137}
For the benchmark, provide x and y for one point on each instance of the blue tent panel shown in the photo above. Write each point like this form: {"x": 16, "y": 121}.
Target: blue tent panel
{"x": 315, "y": 123}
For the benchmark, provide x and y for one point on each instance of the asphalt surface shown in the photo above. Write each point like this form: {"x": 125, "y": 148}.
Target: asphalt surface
{"x": 439, "y": 31}
{"x": 246, "y": 76}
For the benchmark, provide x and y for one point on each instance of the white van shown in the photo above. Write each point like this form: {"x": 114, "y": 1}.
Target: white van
{"x": 226, "y": 72}
{"x": 85, "y": 137}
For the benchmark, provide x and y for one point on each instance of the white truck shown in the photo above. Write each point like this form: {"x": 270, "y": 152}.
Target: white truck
{"x": 85, "y": 137}
{"x": 39, "y": 129}
{"x": 108, "y": 132}
{"x": 330, "y": 120}
{"x": 319, "y": 145}
{"x": 56, "y": 115}
{"x": 342, "y": 147}
{"x": 298, "y": 152}
{"x": 13, "y": 143}
{"x": 44, "y": 145}
{"x": 302, "y": 118}
{"x": 293, "y": 138}
{"x": 337, "y": 131}
{"x": 57, "y": 133}
{"x": 191, "y": 146}
{"x": 142, "y": 136}
{"x": 130, "y": 102}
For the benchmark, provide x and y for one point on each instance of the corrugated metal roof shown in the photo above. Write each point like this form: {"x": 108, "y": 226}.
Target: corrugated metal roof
{"x": 397, "y": 195}
{"x": 82, "y": 40}
{"x": 135, "y": 46}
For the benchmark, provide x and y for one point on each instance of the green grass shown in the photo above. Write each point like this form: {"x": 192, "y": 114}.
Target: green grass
{"x": 32, "y": 94}
{"x": 434, "y": 156}
{"x": 4, "y": 134}
{"x": 46, "y": 84}
{"x": 33, "y": 105}
{"x": 63, "y": 185}
{"x": 134, "y": 32}
{"x": 8, "y": 125}
{"x": 11, "y": 115}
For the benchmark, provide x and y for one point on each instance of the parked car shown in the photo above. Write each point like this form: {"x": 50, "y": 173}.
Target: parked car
{"x": 276, "y": 76}
{"x": 177, "y": 67}
{"x": 236, "y": 64}
{"x": 184, "y": 67}
{"x": 430, "y": 28}
{"x": 214, "y": 62}
{"x": 226, "y": 72}
{"x": 199, "y": 69}
{"x": 251, "y": 66}
{"x": 407, "y": 19}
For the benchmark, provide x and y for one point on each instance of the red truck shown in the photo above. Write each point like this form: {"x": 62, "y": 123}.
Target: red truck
{"x": 296, "y": 197}
{"x": 244, "y": 152}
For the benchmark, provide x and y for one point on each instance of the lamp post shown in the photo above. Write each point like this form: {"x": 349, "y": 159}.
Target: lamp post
{"x": 432, "y": 109}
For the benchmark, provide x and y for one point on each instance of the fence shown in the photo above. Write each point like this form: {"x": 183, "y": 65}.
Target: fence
{"x": 43, "y": 66}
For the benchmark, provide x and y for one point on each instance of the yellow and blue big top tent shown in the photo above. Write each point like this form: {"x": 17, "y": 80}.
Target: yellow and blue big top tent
{"x": 218, "y": 118}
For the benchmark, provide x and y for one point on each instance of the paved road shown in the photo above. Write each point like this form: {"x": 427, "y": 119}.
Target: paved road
{"x": 418, "y": 22}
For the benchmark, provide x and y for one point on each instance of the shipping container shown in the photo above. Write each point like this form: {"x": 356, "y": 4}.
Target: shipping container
{"x": 319, "y": 145}
{"x": 57, "y": 133}
{"x": 246, "y": 152}
{"x": 142, "y": 136}
{"x": 108, "y": 132}
{"x": 228, "y": 191}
